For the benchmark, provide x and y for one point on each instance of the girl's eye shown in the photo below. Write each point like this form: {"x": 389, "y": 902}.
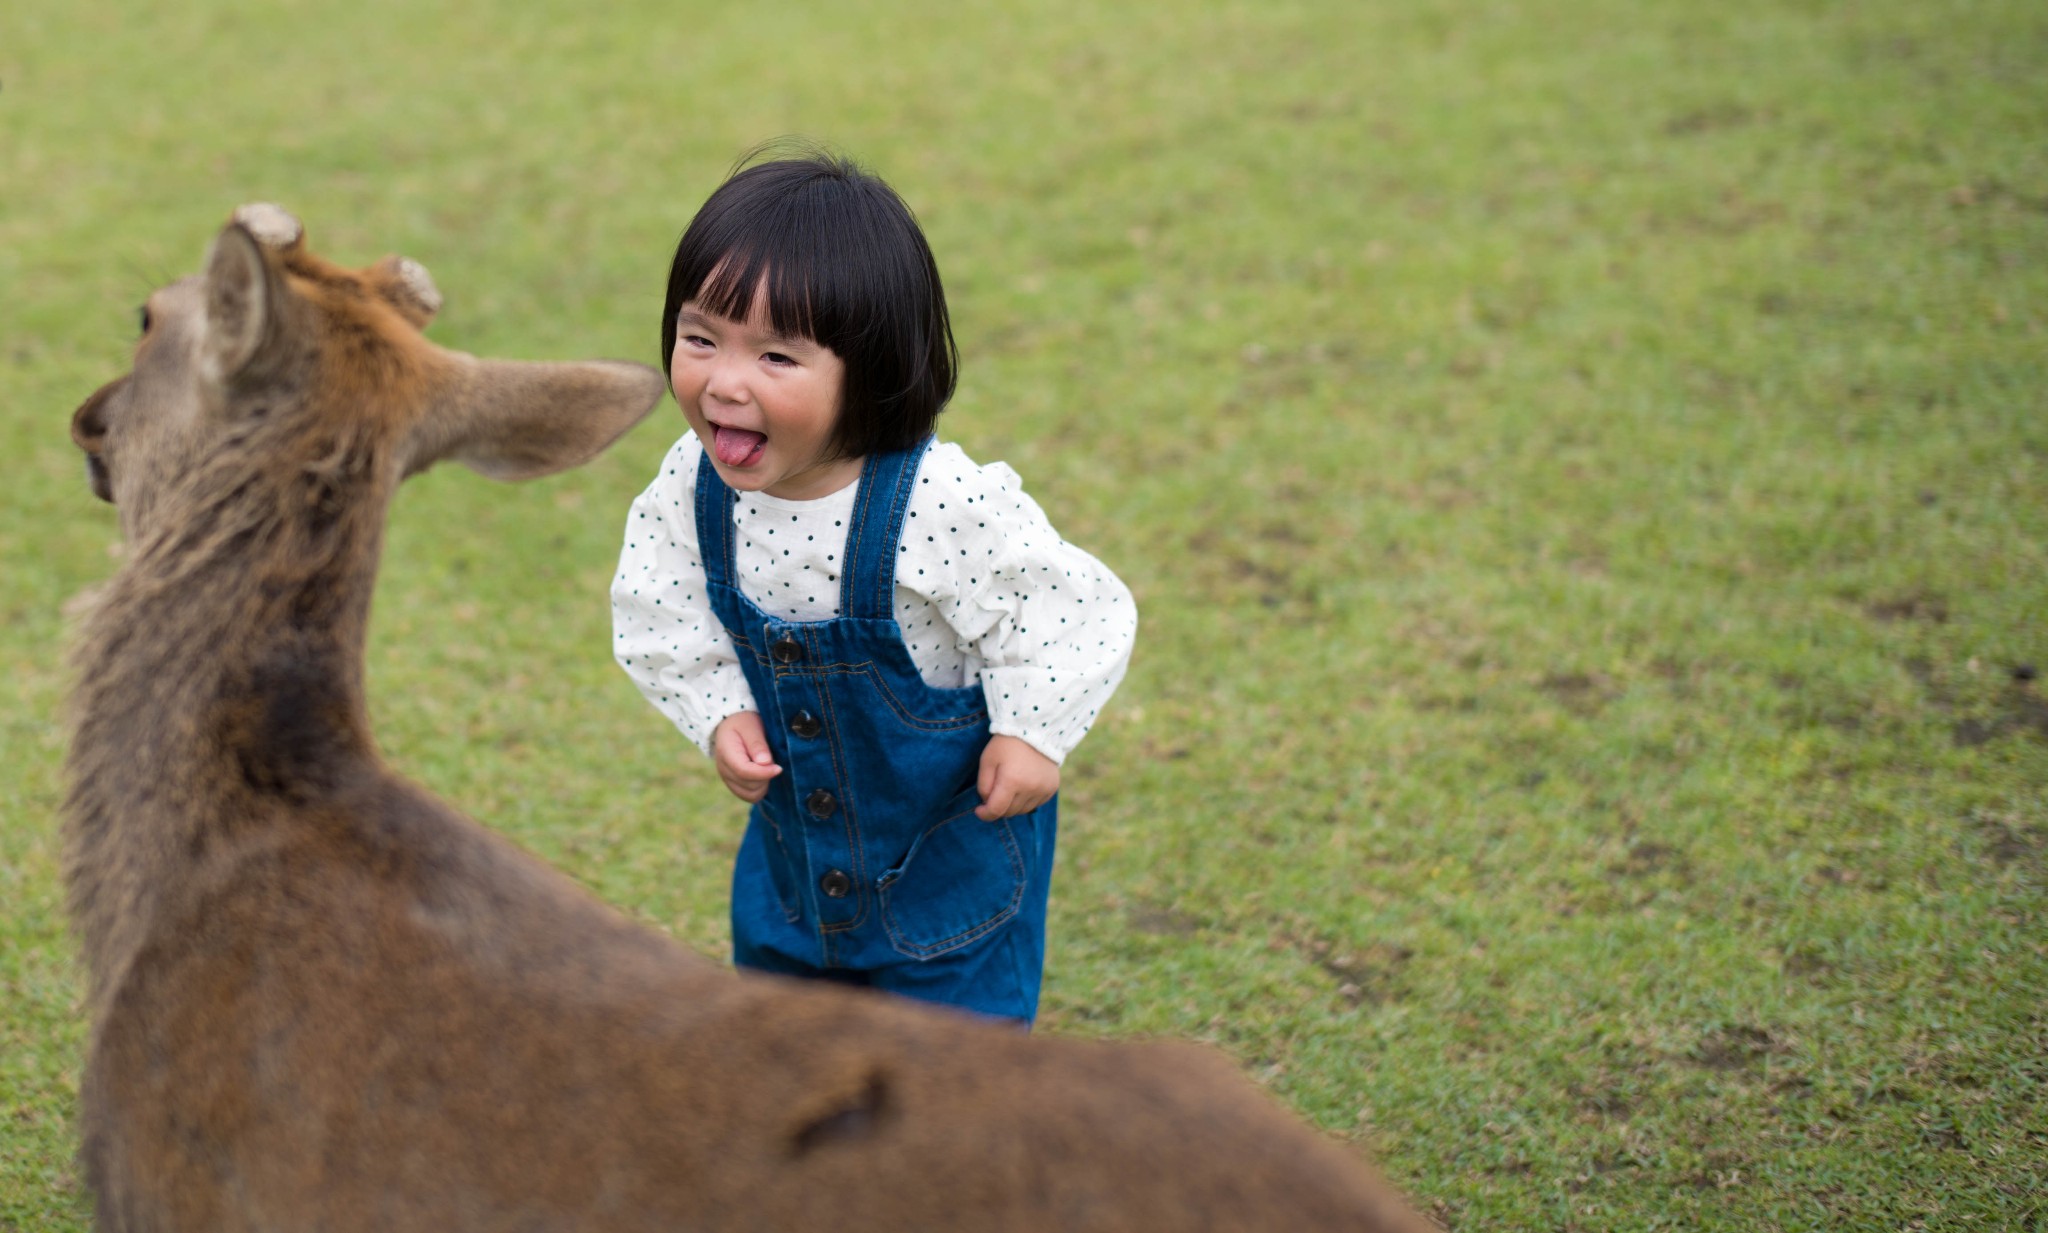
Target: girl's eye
{"x": 696, "y": 340}
{"x": 776, "y": 357}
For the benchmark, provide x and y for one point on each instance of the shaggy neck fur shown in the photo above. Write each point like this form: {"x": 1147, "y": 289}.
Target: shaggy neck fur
{"x": 221, "y": 675}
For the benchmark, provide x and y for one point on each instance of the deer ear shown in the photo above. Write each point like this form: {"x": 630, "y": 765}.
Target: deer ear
{"x": 517, "y": 419}
{"x": 241, "y": 302}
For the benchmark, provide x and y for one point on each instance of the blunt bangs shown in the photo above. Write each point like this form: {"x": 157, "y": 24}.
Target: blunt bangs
{"x": 843, "y": 263}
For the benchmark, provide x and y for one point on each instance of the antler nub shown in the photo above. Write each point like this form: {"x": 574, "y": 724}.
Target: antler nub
{"x": 419, "y": 284}
{"x": 273, "y": 226}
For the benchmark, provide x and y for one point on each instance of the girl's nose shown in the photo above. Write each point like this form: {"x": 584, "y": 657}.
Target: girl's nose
{"x": 727, "y": 381}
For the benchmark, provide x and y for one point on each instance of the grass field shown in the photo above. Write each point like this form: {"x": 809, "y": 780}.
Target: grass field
{"x": 1583, "y": 467}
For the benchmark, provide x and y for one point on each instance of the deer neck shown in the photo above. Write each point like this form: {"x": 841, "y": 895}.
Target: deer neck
{"x": 220, "y": 688}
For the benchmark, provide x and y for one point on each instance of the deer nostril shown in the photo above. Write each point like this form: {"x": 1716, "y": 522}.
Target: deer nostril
{"x": 89, "y": 422}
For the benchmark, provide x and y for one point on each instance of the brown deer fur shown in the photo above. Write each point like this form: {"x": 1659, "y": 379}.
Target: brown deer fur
{"x": 321, "y": 999}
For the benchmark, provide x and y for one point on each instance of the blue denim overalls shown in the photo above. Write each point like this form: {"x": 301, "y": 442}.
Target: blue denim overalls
{"x": 864, "y": 863}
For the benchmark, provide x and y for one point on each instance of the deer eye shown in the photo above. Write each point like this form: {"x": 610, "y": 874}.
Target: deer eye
{"x": 142, "y": 318}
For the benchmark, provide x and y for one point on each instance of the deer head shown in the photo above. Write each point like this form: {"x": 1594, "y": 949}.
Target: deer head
{"x": 271, "y": 341}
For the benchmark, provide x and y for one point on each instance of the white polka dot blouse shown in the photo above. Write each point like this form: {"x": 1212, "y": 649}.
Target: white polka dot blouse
{"x": 986, "y": 591}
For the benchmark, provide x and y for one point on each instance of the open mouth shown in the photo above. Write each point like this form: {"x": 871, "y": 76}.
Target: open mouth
{"x": 736, "y": 447}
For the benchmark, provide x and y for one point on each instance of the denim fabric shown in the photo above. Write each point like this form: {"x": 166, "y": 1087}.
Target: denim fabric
{"x": 865, "y": 863}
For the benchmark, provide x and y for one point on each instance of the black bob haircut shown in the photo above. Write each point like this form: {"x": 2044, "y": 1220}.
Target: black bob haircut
{"x": 846, "y": 267}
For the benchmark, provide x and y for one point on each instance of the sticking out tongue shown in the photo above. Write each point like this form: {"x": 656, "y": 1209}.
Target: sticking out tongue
{"x": 736, "y": 447}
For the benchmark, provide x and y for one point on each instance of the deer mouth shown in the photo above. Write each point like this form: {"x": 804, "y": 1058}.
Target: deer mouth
{"x": 89, "y": 433}
{"x": 101, "y": 479}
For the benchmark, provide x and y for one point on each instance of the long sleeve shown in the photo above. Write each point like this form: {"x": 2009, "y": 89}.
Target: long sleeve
{"x": 1046, "y": 627}
{"x": 664, "y": 633}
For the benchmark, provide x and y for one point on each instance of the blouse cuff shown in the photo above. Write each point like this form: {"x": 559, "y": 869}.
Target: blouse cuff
{"x": 709, "y": 730}
{"x": 1023, "y": 702}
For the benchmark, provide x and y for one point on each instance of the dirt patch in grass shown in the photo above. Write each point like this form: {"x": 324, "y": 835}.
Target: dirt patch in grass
{"x": 1808, "y": 965}
{"x": 2008, "y": 842}
{"x": 1838, "y": 875}
{"x": 1910, "y": 606}
{"x": 1647, "y": 859}
{"x": 1922, "y": 669}
{"x": 1609, "y": 1101}
{"x": 2021, "y": 709}
{"x": 1809, "y": 703}
{"x": 1269, "y": 565}
{"x": 1443, "y": 1213}
{"x": 2008, "y": 846}
{"x": 1715, "y": 117}
{"x": 1364, "y": 974}
{"x": 1736, "y": 1047}
{"x": 1785, "y": 1089}
{"x": 1273, "y": 585}
{"x": 1159, "y": 921}
{"x": 1685, "y": 678}
{"x": 1580, "y": 692}
{"x": 1622, "y": 1080}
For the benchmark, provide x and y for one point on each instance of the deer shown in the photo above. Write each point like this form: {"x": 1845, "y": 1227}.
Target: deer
{"x": 319, "y": 998}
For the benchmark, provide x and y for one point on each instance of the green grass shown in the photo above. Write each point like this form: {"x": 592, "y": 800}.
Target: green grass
{"x": 1583, "y": 467}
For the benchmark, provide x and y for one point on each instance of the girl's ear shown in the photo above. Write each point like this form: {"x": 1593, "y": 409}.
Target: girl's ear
{"x": 517, "y": 419}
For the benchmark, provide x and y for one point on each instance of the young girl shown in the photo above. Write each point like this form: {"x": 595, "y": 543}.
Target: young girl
{"x": 883, "y": 646}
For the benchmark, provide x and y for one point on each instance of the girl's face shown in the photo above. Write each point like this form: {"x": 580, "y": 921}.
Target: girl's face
{"x": 763, "y": 404}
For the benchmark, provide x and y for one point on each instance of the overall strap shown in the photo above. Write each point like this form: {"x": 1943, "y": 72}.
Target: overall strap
{"x": 867, "y": 586}
{"x": 714, "y": 523}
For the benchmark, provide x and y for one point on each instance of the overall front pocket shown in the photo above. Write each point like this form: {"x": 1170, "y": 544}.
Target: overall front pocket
{"x": 961, "y": 879}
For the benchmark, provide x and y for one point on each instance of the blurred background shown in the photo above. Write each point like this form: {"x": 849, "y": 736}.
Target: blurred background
{"x": 1581, "y": 465}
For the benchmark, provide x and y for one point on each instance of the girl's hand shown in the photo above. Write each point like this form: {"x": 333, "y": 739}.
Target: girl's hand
{"x": 1015, "y": 778}
{"x": 739, "y": 748}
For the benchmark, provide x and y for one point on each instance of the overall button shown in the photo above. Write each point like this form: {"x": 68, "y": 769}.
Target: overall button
{"x": 787, "y": 650}
{"x": 821, "y": 803}
{"x": 805, "y": 725}
{"x": 836, "y": 884}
